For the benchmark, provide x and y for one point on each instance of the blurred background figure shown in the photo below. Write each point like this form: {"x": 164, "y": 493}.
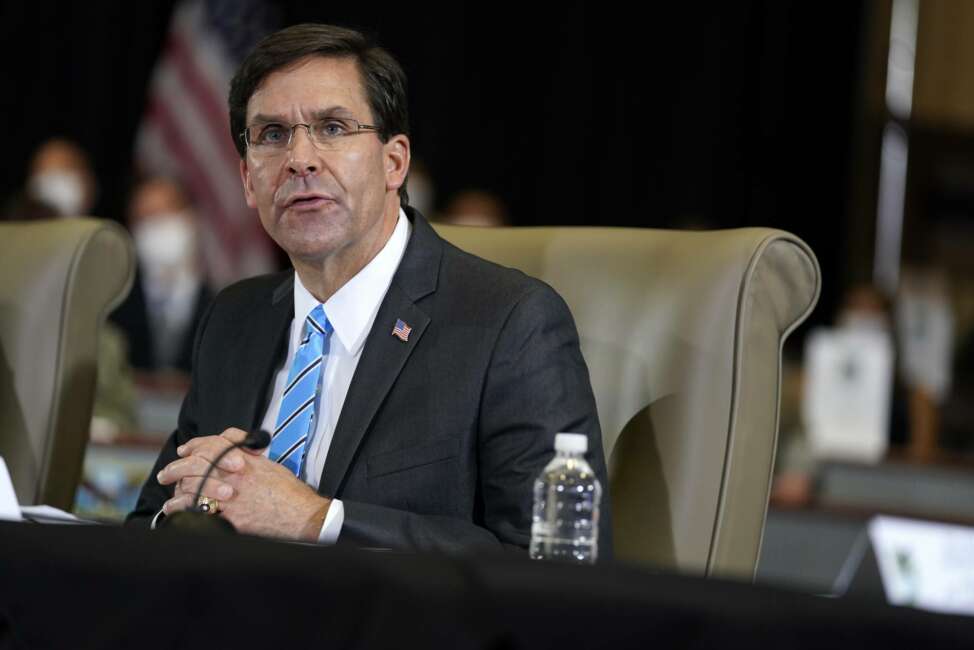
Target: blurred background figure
{"x": 61, "y": 182}
{"x": 422, "y": 190}
{"x": 475, "y": 208}
{"x": 844, "y": 400}
{"x": 61, "y": 177}
{"x": 925, "y": 320}
{"x": 184, "y": 131}
{"x": 170, "y": 292}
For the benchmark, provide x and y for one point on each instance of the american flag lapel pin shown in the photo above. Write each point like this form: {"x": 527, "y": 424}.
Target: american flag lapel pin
{"x": 401, "y": 330}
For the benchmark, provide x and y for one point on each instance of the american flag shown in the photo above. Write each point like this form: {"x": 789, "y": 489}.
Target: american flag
{"x": 401, "y": 330}
{"x": 185, "y": 131}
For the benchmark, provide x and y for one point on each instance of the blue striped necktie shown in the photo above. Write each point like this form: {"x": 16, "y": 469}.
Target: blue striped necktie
{"x": 302, "y": 394}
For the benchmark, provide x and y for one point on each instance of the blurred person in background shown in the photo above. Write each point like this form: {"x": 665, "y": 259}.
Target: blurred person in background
{"x": 170, "y": 293}
{"x": 61, "y": 183}
{"x": 475, "y": 208}
{"x": 925, "y": 321}
{"x": 61, "y": 177}
{"x": 864, "y": 309}
{"x": 422, "y": 189}
{"x": 957, "y": 420}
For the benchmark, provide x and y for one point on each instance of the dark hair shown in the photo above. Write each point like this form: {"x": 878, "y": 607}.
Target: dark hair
{"x": 382, "y": 77}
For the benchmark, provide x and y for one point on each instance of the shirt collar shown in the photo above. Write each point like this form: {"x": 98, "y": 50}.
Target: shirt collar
{"x": 352, "y": 309}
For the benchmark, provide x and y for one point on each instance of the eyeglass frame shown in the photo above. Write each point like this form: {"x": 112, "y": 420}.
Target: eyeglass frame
{"x": 360, "y": 128}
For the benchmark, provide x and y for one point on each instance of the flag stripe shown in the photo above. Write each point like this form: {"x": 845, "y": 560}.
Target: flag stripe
{"x": 154, "y": 154}
{"x": 205, "y": 143}
{"x": 216, "y": 115}
{"x": 185, "y": 129}
{"x": 196, "y": 178}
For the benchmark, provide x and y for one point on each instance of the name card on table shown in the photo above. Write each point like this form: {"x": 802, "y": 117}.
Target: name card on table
{"x": 847, "y": 392}
{"x": 925, "y": 564}
{"x": 9, "y": 508}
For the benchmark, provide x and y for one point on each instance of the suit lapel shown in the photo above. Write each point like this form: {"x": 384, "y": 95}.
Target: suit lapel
{"x": 257, "y": 361}
{"x": 384, "y": 355}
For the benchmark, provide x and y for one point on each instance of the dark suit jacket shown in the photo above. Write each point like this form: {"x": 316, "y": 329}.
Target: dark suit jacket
{"x": 440, "y": 438}
{"x": 132, "y": 318}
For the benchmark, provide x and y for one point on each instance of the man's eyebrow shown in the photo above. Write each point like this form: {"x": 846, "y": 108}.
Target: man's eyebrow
{"x": 321, "y": 113}
{"x": 262, "y": 118}
{"x": 331, "y": 111}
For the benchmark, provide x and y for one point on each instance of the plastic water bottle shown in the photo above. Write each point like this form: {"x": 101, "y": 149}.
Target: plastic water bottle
{"x": 565, "y": 525}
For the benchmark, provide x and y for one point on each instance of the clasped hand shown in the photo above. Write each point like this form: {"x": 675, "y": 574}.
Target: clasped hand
{"x": 257, "y": 495}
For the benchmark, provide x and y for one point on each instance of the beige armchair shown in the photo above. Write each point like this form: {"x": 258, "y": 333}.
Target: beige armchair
{"x": 682, "y": 332}
{"x": 60, "y": 279}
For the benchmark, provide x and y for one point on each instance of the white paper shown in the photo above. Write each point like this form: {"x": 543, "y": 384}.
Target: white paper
{"x": 925, "y": 564}
{"x": 49, "y": 515}
{"x": 9, "y": 509}
{"x": 848, "y": 385}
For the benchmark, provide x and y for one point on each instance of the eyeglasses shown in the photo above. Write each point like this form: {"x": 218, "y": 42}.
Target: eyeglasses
{"x": 327, "y": 133}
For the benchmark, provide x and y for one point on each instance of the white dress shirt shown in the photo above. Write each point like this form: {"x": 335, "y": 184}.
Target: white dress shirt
{"x": 170, "y": 307}
{"x": 352, "y": 311}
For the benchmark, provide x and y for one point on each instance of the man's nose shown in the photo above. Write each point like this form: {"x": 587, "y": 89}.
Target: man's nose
{"x": 303, "y": 156}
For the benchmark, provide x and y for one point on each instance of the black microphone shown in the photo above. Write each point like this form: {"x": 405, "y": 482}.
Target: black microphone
{"x": 254, "y": 440}
{"x": 191, "y": 518}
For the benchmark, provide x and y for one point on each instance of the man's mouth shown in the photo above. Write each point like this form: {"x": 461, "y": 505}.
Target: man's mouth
{"x": 307, "y": 201}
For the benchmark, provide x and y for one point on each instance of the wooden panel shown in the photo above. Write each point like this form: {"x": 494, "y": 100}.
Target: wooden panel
{"x": 943, "y": 92}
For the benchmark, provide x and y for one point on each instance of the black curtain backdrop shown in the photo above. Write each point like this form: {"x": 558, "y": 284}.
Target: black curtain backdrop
{"x": 696, "y": 114}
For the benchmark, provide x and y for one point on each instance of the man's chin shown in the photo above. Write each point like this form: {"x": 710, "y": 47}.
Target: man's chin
{"x": 308, "y": 238}
{"x": 312, "y": 254}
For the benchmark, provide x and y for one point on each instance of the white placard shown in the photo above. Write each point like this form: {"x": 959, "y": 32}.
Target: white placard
{"x": 847, "y": 391}
{"x": 50, "y": 515}
{"x": 925, "y": 564}
{"x": 9, "y": 508}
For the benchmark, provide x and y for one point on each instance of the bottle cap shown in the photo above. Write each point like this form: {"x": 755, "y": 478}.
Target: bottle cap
{"x": 571, "y": 443}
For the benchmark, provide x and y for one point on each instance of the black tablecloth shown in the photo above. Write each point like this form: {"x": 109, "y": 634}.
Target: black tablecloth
{"x": 79, "y": 586}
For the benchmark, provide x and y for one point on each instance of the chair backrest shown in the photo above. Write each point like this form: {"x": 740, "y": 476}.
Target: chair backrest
{"x": 60, "y": 278}
{"x": 682, "y": 332}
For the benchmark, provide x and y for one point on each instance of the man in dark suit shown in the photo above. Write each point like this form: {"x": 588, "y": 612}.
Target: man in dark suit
{"x": 414, "y": 390}
{"x": 170, "y": 293}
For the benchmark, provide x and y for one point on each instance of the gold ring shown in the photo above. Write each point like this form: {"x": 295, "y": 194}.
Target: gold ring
{"x": 208, "y": 506}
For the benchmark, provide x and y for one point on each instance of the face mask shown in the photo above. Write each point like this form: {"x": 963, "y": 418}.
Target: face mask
{"x": 863, "y": 321}
{"x": 62, "y": 190}
{"x": 165, "y": 243}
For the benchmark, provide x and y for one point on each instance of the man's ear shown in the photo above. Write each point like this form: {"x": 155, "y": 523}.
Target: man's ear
{"x": 247, "y": 185}
{"x": 396, "y": 158}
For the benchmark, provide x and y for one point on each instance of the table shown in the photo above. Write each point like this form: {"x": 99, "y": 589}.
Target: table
{"x": 101, "y": 586}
